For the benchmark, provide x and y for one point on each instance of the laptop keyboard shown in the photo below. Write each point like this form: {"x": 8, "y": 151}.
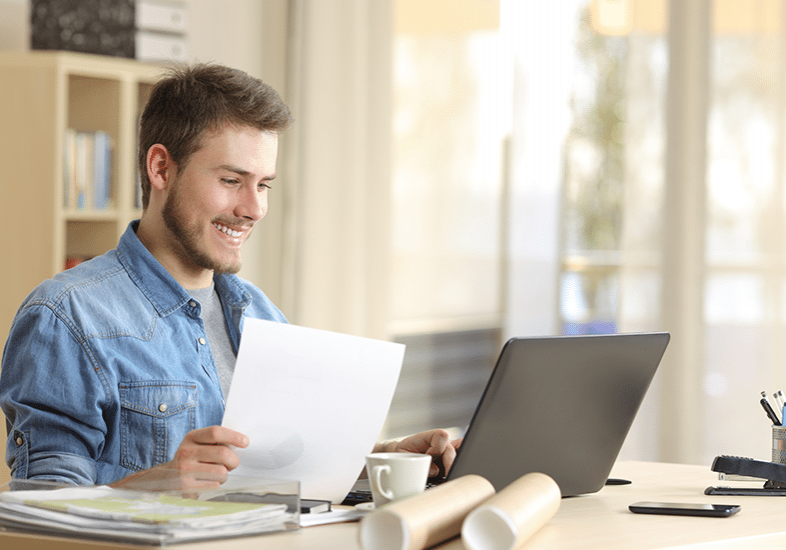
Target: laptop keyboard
{"x": 361, "y": 493}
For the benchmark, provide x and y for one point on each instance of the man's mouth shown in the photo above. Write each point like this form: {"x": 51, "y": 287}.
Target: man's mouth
{"x": 227, "y": 230}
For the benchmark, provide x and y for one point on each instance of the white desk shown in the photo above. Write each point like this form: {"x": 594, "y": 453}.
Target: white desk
{"x": 601, "y": 520}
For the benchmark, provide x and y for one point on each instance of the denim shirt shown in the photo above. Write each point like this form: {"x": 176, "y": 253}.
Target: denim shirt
{"x": 107, "y": 367}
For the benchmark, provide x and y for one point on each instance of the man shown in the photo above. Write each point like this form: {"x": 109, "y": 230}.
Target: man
{"x": 121, "y": 364}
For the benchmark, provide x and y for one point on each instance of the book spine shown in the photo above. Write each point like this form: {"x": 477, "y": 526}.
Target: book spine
{"x": 102, "y": 175}
{"x": 69, "y": 169}
{"x": 87, "y": 170}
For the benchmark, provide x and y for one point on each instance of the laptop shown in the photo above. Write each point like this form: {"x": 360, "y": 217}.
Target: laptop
{"x": 560, "y": 405}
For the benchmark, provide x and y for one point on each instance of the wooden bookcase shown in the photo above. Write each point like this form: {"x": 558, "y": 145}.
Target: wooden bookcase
{"x": 41, "y": 95}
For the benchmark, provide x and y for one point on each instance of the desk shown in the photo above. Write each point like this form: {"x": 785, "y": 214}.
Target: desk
{"x": 600, "y": 520}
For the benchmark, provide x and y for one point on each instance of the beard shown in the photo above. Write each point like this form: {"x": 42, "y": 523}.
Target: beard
{"x": 187, "y": 236}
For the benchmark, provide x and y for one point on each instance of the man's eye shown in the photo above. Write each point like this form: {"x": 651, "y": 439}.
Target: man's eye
{"x": 230, "y": 181}
{"x": 264, "y": 186}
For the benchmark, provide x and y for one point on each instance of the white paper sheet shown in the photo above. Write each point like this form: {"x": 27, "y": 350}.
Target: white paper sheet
{"x": 312, "y": 402}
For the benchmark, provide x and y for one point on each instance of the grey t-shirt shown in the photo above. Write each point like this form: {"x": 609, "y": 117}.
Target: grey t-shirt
{"x": 217, "y": 334}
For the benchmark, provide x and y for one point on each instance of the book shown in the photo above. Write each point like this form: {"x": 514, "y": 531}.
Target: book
{"x": 102, "y": 170}
{"x": 138, "y": 516}
{"x": 84, "y": 169}
{"x": 69, "y": 168}
{"x": 73, "y": 261}
{"x": 308, "y": 506}
{"x": 87, "y": 170}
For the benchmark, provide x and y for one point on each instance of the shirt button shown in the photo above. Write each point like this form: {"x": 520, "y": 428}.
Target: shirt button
{"x": 192, "y": 303}
{"x": 162, "y": 407}
{"x": 19, "y": 441}
{"x": 202, "y": 341}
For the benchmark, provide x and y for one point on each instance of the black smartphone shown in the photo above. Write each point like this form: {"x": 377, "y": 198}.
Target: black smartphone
{"x": 685, "y": 509}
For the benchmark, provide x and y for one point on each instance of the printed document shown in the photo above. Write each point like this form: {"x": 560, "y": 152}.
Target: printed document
{"x": 312, "y": 402}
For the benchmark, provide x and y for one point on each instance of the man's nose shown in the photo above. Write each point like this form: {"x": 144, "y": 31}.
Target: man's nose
{"x": 252, "y": 205}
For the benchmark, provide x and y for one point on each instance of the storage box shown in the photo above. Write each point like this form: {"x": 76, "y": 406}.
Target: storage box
{"x": 160, "y": 16}
{"x": 155, "y": 46}
{"x": 90, "y": 26}
{"x": 148, "y": 30}
{"x": 161, "y": 31}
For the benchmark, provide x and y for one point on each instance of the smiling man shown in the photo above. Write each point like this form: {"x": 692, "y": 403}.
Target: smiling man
{"x": 121, "y": 364}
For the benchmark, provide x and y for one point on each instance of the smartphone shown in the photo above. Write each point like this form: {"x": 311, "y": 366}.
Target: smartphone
{"x": 685, "y": 509}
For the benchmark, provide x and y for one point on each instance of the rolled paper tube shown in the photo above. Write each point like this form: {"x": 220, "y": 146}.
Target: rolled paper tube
{"x": 426, "y": 519}
{"x": 513, "y": 515}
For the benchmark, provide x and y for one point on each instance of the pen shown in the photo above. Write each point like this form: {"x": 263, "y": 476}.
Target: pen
{"x": 765, "y": 404}
{"x": 778, "y": 395}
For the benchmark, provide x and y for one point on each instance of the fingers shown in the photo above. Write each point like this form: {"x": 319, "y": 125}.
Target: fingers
{"x": 440, "y": 441}
{"x": 210, "y": 446}
{"x": 448, "y": 456}
{"x": 436, "y": 443}
{"x": 443, "y": 452}
{"x": 217, "y": 435}
{"x": 193, "y": 457}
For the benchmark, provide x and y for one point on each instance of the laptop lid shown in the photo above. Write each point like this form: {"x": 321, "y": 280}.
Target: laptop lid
{"x": 559, "y": 405}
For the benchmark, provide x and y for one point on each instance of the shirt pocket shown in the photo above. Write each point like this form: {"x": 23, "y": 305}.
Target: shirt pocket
{"x": 155, "y": 416}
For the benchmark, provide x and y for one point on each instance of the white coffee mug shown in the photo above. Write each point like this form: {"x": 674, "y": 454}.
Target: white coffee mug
{"x": 394, "y": 476}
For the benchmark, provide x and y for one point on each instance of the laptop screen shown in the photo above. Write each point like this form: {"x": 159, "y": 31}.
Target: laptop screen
{"x": 559, "y": 405}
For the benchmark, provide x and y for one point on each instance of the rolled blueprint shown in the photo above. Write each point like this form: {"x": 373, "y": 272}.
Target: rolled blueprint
{"x": 513, "y": 515}
{"x": 424, "y": 520}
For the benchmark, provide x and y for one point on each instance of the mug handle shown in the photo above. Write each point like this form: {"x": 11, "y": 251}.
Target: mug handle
{"x": 376, "y": 480}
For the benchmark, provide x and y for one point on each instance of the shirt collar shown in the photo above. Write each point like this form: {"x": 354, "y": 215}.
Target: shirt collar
{"x": 158, "y": 285}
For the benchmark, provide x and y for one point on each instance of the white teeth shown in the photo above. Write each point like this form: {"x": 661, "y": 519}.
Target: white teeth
{"x": 225, "y": 229}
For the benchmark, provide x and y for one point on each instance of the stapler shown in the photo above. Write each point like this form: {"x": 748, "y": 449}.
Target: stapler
{"x": 774, "y": 475}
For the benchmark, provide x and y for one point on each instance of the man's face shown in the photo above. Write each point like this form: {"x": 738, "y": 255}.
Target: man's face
{"x": 219, "y": 196}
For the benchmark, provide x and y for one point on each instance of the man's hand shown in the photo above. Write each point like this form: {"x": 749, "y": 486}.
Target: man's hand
{"x": 207, "y": 450}
{"x": 203, "y": 459}
{"x": 436, "y": 443}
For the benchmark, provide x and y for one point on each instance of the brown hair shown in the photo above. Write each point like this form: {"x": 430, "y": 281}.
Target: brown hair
{"x": 191, "y": 101}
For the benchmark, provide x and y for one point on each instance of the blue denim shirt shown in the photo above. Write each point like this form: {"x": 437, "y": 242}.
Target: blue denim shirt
{"x": 107, "y": 367}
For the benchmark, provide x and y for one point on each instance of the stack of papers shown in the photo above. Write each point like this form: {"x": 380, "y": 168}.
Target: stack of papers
{"x": 134, "y": 516}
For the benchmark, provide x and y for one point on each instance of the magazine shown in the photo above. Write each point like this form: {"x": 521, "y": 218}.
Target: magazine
{"x": 139, "y": 516}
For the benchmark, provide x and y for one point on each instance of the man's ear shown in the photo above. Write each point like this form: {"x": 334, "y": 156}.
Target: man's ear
{"x": 161, "y": 169}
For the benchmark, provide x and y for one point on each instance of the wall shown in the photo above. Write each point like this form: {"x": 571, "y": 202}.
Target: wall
{"x": 252, "y": 36}
{"x": 14, "y": 25}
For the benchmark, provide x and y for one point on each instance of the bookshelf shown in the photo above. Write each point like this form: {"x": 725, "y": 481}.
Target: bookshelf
{"x": 42, "y": 94}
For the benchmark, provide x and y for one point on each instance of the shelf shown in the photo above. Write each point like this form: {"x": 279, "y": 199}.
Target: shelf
{"x": 90, "y": 215}
{"x": 42, "y": 95}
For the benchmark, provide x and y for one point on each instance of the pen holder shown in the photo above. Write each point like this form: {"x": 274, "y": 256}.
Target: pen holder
{"x": 779, "y": 444}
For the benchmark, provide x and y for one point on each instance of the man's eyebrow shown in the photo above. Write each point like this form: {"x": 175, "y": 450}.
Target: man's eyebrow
{"x": 242, "y": 172}
{"x": 237, "y": 170}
